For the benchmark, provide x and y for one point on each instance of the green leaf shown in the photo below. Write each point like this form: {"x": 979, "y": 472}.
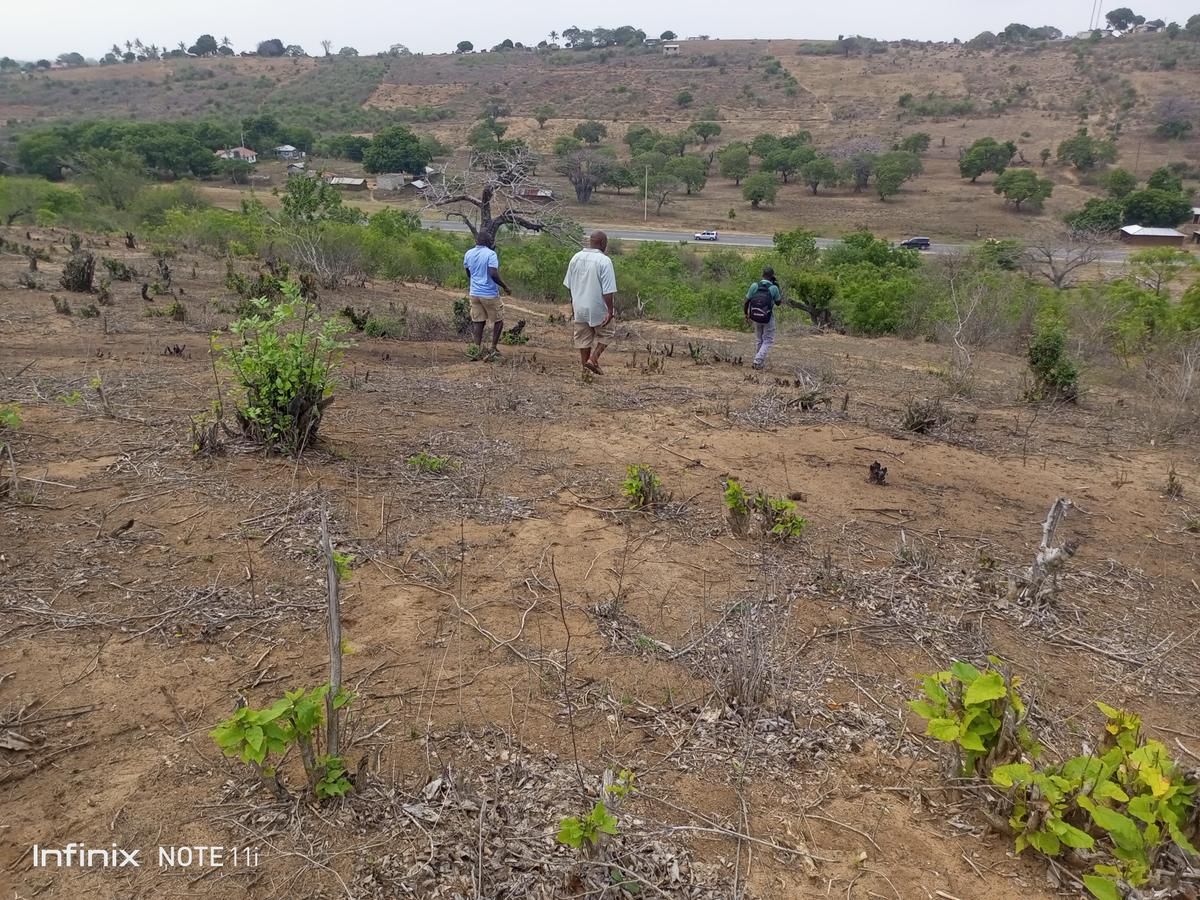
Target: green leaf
{"x": 984, "y": 688}
{"x": 1121, "y": 828}
{"x": 1141, "y": 807}
{"x": 935, "y": 692}
{"x": 1071, "y": 836}
{"x": 964, "y": 671}
{"x": 1046, "y": 842}
{"x": 570, "y": 832}
{"x": 923, "y": 709}
{"x": 1178, "y": 837}
{"x": 1108, "y": 790}
{"x": 943, "y": 729}
{"x": 1108, "y": 710}
{"x": 254, "y": 737}
{"x": 970, "y": 741}
{"x": 1015, "y": 773}
{"x": 1101, "y": 888}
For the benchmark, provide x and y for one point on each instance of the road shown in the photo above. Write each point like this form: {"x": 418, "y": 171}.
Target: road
{"x": 733, "y": 239}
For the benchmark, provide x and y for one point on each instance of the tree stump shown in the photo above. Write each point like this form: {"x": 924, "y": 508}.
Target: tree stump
{"x": 78, "y": 272}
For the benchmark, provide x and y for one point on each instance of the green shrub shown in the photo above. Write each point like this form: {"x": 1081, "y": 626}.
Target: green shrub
{"x": 642, "y": 488}
{"x": 1055, "y": 376}
{"x": 286, "y": 365}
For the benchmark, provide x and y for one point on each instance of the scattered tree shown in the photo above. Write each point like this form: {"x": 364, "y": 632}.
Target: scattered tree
{"x": 1164, "y": 179}
{"x": 915, "y": 143}
{"x": 1156, "y": 208}
{"x": 1157, "y": 267}
{"x": 273, "y": 47}
{"x": 734, "y": 162}
{"x": 691, "y": 171}
{"x": 327, "y": 46}
{"x": 760, "y": 188}
{"x": 396, "y": 149}
{"x": 1176, "y": 117}
{"x": 684, "y": 99}
{"x": 347, "y": 51}
{"x": 893, "y": 169}
{"x": 986, "y": 155}
{"x": 660, "y": 189}
{"x": 1097, "y": 216}
{"x": 1045, "y": 156}
{"x": 706, "y": 130}
{"x": 820, "y": 170}
{"x": 1024, "y": 186}
{"x": 1119, "y": 183}
{"x": 112, "y": 177}
{"x": 206, "y": 45}
{"x": 590, "y": 132}
{"x": 1123, "y": 18}
{"x": 586, "y": 170}
{"x": 494, "y": 191}
{"x": 543, "y": 114}
{"x": 1085, "y": 152}
{"x": 667, "y": 36}
{"x": 1058, "y": 255}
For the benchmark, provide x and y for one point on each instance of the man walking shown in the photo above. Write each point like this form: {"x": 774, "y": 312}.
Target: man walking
{"x": 593, "y": 286}
{"x": 761, "y": 300}
{"x": 483, "y": 269}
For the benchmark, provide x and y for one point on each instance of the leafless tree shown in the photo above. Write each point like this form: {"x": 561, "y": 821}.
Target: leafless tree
{"x": 327, "y": 46}
{"x": 495, "y": 189}
{"x": 1057, "y": 255}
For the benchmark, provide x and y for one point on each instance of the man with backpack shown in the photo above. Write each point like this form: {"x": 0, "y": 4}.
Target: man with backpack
{"x": 761, "y": 300}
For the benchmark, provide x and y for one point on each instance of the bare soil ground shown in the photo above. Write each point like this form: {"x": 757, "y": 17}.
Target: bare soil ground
{"x": 145, "y": 589}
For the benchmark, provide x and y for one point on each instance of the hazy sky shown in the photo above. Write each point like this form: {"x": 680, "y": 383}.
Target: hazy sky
{"x": 32, "y": 30}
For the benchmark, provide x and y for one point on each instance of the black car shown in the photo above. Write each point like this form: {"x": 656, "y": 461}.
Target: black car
{"x": 916, "y": 243}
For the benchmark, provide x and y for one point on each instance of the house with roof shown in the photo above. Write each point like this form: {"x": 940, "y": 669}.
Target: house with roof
{"x": 1196, "y": 215}
{"x": 670, "y": 49}
{"x": 287, "y": 151}
{"x": 343, "y": 183}
{"x": 245, "y": 154}
{"x": 1141, "y": 236}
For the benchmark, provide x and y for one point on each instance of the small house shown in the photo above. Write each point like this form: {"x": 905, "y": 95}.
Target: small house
{"x": 296, "y": 168}
{"x": 1140, "y": 236}
{"x": 287, "y": 151}
{"x": 1196, "y": 215}
{"x": 392, "y": 182}
{"x": 537, "y": 195}
{"x": 343, "y": 183}
{"x": 670, "y": 49}
{"x": 245, "y": 154}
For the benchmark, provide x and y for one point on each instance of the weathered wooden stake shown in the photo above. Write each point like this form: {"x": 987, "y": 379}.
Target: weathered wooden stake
{"x": 333, "y": 627}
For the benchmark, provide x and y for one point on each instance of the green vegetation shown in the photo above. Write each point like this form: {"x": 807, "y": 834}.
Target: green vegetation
{"x": 286, "y": 366}
{"x": 430, "y": 463}
{"x": 642, "y": 488}
{"x": 261, "y": 738}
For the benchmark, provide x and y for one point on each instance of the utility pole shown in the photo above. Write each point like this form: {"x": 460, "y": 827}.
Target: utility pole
{"x": 646, "y": 197}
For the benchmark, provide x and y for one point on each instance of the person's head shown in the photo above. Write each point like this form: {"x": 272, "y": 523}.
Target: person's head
{"x": 598, "y": 240}
{"x": 485, "y": 239}
{"x": 769, "y": 274}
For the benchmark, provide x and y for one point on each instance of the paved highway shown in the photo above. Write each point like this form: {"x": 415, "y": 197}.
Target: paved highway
{"x": 734, "y": 239}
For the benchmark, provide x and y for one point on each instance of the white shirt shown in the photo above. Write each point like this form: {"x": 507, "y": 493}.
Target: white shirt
{"x": 589, "y": 277}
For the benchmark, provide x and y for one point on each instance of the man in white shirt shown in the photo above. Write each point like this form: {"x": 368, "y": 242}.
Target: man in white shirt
{"x": 593, "y": 286}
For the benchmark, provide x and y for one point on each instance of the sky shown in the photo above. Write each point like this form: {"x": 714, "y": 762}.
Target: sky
{"x": 90, "y": 27}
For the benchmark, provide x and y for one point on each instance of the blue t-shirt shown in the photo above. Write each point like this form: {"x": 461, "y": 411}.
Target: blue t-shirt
{"x": 477, "y": 261}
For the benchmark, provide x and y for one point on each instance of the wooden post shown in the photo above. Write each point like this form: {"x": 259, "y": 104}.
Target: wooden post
{"x": 333, "y": 627}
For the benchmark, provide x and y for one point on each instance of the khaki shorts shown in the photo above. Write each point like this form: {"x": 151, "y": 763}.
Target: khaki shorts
{"x": 587, "y": 336}
{"x": 484, "y": 308}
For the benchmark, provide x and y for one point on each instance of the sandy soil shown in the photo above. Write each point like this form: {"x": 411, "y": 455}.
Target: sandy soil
{"x": 144, "y": 589}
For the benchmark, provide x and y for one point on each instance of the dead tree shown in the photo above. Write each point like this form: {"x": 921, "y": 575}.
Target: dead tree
{"x": 78, "y": 272}
{"x": 1041, "y": 579}
{"x": 1057, "y": 255}
{"x": 497, "y": 189}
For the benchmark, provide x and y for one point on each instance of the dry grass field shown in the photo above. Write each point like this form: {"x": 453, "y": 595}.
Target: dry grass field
{"x": 512, "y": 625}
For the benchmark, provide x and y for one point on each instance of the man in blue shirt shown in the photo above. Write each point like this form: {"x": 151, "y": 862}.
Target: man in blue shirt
{"x": 483, "y": 269}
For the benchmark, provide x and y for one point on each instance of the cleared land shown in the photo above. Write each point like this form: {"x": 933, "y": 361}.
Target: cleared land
{"x": 145, "y": 589}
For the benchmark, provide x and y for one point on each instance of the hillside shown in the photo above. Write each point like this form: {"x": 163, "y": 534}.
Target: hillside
{"x": 1035, "y": 96}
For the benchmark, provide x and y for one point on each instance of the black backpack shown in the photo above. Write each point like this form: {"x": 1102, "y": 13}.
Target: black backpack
{"x": 762, "y": 304}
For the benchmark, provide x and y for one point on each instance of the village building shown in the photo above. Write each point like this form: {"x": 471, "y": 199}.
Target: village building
{"x": 1141, "y": 236}
{"x": 245, "y": 154}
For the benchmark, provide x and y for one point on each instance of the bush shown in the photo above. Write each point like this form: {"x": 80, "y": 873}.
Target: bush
{"x": 1055, "y": 376}
{"x": 286, "y": 365}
